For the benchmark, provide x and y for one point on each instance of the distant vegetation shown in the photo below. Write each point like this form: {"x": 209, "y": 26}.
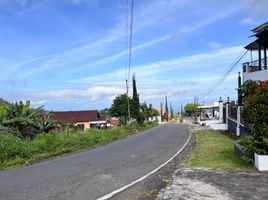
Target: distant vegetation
{"x": 139, "y": 112}
{"x": 28, "y": 134}
{"x": 16, "y": 151}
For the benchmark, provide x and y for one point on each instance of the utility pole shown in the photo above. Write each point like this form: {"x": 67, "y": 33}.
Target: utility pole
{"x": 128, "y": 103}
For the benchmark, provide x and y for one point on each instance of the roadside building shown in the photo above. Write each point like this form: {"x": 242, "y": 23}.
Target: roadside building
{"x": 86, "y": 119}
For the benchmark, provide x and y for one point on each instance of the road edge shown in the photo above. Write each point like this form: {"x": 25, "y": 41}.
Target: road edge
{"x": 108, "y": 196}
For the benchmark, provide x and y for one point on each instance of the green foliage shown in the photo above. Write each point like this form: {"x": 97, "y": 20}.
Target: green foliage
{"x": 15, "y": 151}
{"x": 119, "y": 108}
{"x": 255, "y": 115}
{"x": 145, "y": 111}
{"x": 153, "y": 112}
{"x": 135, "y": 105}
{"x": 105, "y": 112}
{"x": 23, "y": 121}
{"x": 248, "y": 86}
{"x": 141, "y": 117}
{"x": 189, "y": 109}
{"x": 166, "y": 105}
{"x": 161, "y": 111}
{"x": 171, "y": 111}
{"x": 247, "y": 142}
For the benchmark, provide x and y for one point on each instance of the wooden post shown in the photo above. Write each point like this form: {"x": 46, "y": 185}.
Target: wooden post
{"x": 128, "y": 104}
{"x": 259, "y": 56}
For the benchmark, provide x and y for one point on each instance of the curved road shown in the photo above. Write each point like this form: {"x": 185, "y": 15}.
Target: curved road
{"x": 94, "y": 173}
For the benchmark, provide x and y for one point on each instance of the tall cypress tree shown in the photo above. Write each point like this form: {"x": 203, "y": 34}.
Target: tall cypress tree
{"x": 171, "y": 111}
{"x": 166, "y": 105}
{"x": 135, "y": 99}
{"x": 166, "y": 115}
{"x": 161, "y": 111}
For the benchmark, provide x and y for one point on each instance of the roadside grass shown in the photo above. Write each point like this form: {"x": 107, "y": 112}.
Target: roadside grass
{"x": 15, "y": 151}
{"x": 215, "y": 149}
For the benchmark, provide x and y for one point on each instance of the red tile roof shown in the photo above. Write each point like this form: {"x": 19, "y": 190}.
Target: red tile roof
{"x": 76, "y": 116}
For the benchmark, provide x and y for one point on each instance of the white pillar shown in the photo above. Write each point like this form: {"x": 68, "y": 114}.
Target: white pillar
{"x": 221, "y": 111}
{"x": 238, "y": 121}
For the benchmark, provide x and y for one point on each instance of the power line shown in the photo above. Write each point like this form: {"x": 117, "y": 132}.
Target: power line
{"x": 126, "y": 61}
{"x": 225, "y": 75}
{"x": 129, "y": 49}
{"x": 130, "y": 37}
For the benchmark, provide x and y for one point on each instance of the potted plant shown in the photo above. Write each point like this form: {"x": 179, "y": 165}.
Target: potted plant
{"x": 255, "y": 114}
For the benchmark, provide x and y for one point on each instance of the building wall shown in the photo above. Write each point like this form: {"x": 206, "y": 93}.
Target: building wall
{"x": 86, "y": 125}
{"x": 255, "y": 76}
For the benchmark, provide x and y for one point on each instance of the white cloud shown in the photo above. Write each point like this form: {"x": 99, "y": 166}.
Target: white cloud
{"x": 248, "y": 21}
{"x": 145, "y": 18}
{"x": 214, "y": 45}
{"x": 196, "y": 73}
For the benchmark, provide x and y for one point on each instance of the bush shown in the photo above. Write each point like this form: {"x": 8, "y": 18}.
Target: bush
{"x": 255, "y": 116}
{"x": 14, "y": 150}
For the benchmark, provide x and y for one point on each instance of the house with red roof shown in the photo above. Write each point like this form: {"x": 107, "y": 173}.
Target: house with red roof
{"x": 85, "y": 118}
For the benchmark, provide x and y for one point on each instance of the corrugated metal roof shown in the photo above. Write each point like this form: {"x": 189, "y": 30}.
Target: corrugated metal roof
{"x": 76, "y": 116}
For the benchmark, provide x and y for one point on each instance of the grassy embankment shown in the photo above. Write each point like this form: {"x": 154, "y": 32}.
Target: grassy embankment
{"x": 15, "y": 151}
{"x": 215, "y": 149}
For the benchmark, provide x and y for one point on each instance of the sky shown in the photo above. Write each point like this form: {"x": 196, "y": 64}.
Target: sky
{"x": 71, "y": 54}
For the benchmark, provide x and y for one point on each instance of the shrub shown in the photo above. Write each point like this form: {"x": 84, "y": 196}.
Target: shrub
{"x": 15, "y": 150}
{"x": 255, "y": 116}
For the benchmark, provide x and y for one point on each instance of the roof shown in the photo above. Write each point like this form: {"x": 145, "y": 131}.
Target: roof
{"x": 260, "y": 27}
{"x": 261, "y": 32}
{"x": 76, "y": 116}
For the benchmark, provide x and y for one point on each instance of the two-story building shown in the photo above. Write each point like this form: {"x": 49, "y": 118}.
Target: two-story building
{"x": 257, "y": 69}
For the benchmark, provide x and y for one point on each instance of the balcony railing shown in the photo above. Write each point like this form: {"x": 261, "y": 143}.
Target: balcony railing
{"x": 253, "y": 66}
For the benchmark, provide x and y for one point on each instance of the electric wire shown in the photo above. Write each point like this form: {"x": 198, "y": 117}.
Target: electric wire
{"x": 225, "y": 75}
{"x": 130, "y": 37}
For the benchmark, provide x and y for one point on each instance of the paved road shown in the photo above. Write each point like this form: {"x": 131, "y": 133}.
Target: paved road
{"x": 92, "y": 174}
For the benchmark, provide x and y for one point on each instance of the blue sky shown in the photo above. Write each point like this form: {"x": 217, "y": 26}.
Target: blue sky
{"x": 70, "y": 54}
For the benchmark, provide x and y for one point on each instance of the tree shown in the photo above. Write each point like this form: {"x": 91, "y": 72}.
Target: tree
{"x": 255, "y": 115}
{"x": 105, "y": 112}
{"x": 181, "y": 110}
{"x": 145, "y": 110}
{"x": 181, "y": 115}
{"x": 23, "y": 121}
{"x": 119, "y": 108}
{"x": 166, "y": 109}
{"x": 161, "y": 111}
{"x": 189, "y": 109}
{"x": 165, "y": 116}
{"x": 171, "y": 111}
{"x": 135, "y": 108}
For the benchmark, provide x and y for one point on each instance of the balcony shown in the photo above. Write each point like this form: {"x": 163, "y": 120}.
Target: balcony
{"x": 255, "y": 71}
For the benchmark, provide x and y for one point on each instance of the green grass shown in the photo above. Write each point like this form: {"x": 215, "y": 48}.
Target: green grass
{"x": 15, "y": 151}
{"x": 215, "y": 149}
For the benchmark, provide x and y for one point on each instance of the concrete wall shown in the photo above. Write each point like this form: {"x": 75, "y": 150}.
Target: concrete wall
{"x": 255, "y": 76}
{"x": 86, "y": 125}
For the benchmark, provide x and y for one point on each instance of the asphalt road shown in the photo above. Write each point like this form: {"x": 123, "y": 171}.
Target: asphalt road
{"x": 94, "y": 173}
